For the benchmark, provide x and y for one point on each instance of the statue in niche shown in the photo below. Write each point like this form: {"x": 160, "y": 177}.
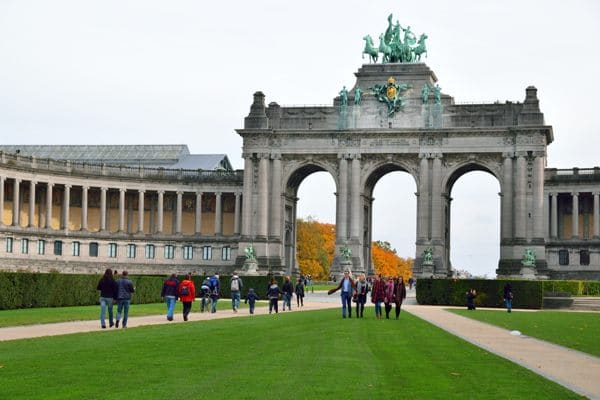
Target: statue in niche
{"x": 528, "y": 258}
{"x": 346, "y": 253}
{"x": 250, "y": 253}
{"x": 428, "y": 256}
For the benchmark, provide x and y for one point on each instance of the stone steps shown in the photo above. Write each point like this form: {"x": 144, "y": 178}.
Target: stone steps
{"x": 586, "y": 304}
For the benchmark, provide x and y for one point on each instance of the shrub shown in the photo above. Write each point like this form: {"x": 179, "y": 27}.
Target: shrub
{"x": 490, "y": 293}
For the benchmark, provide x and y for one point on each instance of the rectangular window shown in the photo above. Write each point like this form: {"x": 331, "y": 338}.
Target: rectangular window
{"x": 188, "y": 252}
{"x": 112, "y": 250}
{"x": 563, "y": 257}
{"x": 131, "y": 251}
{"x": 25, "y": 246}
{"x": 169, "y": 251}
{"x": 58, "y": 247}
{"x": 41, "y": 247}
{"x": 75, "y": 247}
{"x": 9, "y": 245}
{"x": 226, "y": 253}
{"x": 207, "y": 253}
{"x": 584, "y": 257}
{"x": 150, "y": 251}
{"x": 93, "y": 249}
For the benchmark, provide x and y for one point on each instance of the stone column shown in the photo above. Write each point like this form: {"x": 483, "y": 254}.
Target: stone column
{"x": 218, "y": 213}
{"x": 263, "y": 196}
{"x": 575, "y": 215}
{"x": 49, "y": 205}
{"x": 423, "y": 200}
{"x": 554, "y": 215}
{"x": 66, "y": 207}
{"x": 276, "y": 211}
{"x": 236, "y": 218}
{"x": 84, "y": 208}
{"x": 141, "y": 211}
{"x": 122, "y": 192}
{"x": 342, "y": 200}
{"x": 437, "y": 203}
{"x": 198, "y": 228}
{"x": 521, "y": 197}
{"x": 1, "y": 200}
{"x": 537, "y": 211}
{"x": 596, "y": 215}
{"x": 160, "y": 209}
{"x": 355, "y": 199}
{"x": 16, "y": 210}
{"x": 32, "y": 204}
{"x": 506, "y": 202}
{"x": 247, "y": 195}
{"x": 103, "y": 191}
{"x": 179, "y": 212}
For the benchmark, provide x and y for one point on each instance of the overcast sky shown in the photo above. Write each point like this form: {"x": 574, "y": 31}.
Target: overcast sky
{"x": 154, "y": 72}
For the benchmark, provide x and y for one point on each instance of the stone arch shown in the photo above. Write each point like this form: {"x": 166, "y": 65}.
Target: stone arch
{"x": 296, "y": 172}
{"x": 371, "y": 176}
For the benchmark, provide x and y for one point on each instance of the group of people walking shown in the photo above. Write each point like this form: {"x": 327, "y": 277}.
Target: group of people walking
{"x": 387, "y": 291}
{"x": 287, "y": 291}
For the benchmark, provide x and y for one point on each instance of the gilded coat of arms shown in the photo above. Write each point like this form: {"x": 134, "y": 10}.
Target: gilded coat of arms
{"x": 391, "y": 94}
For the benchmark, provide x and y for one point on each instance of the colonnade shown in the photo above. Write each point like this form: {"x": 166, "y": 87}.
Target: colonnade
{"x": 575, "y": 215}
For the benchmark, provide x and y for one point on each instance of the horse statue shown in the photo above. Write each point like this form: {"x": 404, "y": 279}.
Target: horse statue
{"x": 370, "y": 49}
{"x": 384, "y": 49}
{"x": 420, "y": 48}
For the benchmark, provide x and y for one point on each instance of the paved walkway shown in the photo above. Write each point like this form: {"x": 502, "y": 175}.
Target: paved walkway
{"x": 576, "y": 371}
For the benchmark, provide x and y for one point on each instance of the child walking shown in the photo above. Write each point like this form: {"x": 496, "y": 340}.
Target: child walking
{"x": 251, "y": 300}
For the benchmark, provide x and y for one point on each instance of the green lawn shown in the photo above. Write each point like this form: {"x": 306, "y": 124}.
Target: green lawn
{"x": 30, "y": 316}
{"x": 576, "y": 330}
{"x": 307, "y": 355}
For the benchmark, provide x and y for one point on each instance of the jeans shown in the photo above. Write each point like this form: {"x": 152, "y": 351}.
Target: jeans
{"x": 287, "y": 300}
{"x": 378, "y": 308}
{"x": 214, "y": 304}
{"x": 273, "y": 304}
{"x": 106, "y": 302}
{"x": 346, "y": 302}
{"x": 235, "y": 300}
{"x": 508, "y": 304}
{"x": 123, "y": 305}
{"x": 170, "y": 300}
{"x": 204, "y": 302}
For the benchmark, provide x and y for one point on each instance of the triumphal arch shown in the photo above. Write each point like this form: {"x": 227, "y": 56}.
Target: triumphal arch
{"x": 395, "y": 118}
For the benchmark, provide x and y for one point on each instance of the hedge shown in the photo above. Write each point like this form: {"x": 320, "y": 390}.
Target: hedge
{"x": 490, "y": 293}
{"x": 575, "y": 288}
{"x": 33, "y": 289}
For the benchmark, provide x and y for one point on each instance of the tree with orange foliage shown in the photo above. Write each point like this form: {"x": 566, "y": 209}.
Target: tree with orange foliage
{"x": 315, "y": 247}
{"x": 387, "y": 263}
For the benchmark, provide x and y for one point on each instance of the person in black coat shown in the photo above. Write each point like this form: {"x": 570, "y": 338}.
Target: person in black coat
{"x": 471, "y": 294}
{"x": 108, "y": 292}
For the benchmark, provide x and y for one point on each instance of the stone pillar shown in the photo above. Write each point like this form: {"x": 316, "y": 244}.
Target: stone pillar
{"x": 84, "y": 208}
{"x": 554, "y": 215}
{"x": 596, "y": 215}
{"x": 537, "y": 211}
{"x": 49, "y": 205}
{"x": 141, "y": 211}
{"x": 342, "y": 200}
{"x": 103, "y": 191}
{"x": 218, "y": 214}
{"x": 276, "y": 211}
{"x": 355, "y": 199}
{"x": 160, "y": 210}
{"x": 575, "y": 215}
{"x": 179, "y": 212}
{"x": 521, "y": 197}
{"x": 236, "y": 218}
{"x": 247, "y": 195}
{"x": 437, "y": 203}
{"x": 122, "y": 192}
{"x": 1, "y": 200}
{"x": 198, "y": 227}
{"x": 16, "y": 210}
{"x": 506, "y": 202}
{"x": 263, "y": 195}
{"x": 32, "y": 204}
{"x": 423, "y": 234}
{"x": 66, "y": 207}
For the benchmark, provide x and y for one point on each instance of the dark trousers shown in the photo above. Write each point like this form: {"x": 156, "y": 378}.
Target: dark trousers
{"x": 300, "y": 300}
{"x": 273, "y": 305}
{"x": 388, "y": 308}
{"x": 187, "y": 307}
{"x": 398, "y": 305}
